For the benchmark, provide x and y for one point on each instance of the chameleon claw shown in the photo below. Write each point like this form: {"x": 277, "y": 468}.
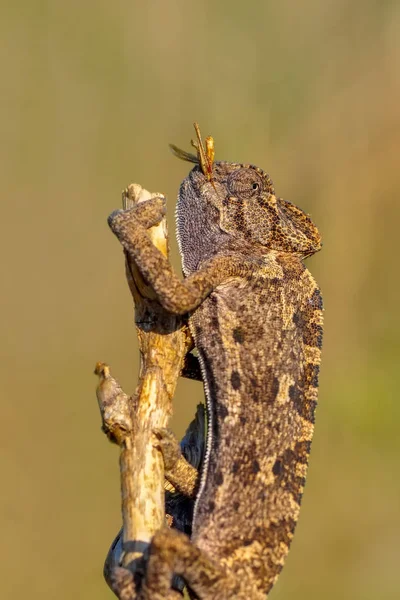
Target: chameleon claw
{"x": 169, "y": 446}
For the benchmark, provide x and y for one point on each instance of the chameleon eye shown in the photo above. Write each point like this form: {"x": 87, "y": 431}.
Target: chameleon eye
{"x": 244, "y": 183}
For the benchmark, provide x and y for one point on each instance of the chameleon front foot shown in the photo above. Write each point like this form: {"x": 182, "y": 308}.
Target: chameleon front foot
{"x": 169, "y": 446}
{"x": 178, "y": 471}
{"x": 147, "y": 214}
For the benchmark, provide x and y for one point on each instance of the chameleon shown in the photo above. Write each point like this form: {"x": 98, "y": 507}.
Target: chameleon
{"x": 255, "y": 315}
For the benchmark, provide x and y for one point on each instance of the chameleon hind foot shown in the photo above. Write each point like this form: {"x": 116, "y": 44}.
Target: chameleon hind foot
{"x": 172, "y": 552}
{"x": 122, "y": 583}
{"x": 125, "y": 588}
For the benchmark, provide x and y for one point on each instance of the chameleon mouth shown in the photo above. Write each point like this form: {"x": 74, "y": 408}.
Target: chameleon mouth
{"x": 205, "y": 153}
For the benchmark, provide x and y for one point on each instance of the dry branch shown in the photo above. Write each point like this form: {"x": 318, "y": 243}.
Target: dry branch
{"x": 129, "y": 421}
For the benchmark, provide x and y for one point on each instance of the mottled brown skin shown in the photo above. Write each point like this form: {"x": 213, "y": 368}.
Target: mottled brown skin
{"x": 256, "y": 320}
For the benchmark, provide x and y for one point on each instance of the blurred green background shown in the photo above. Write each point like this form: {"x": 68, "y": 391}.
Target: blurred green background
{"x": 91, "y": 94}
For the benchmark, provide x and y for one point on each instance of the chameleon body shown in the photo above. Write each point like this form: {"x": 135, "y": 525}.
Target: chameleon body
{"x": 256, "y": 319}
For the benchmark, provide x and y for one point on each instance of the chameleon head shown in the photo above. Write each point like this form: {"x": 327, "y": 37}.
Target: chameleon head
{"x": 240, "y": 202}
{"x": 221, "y": 200}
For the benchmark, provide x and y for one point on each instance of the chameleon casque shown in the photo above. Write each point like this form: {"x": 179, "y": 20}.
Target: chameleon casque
{"x": 255, "y": 314}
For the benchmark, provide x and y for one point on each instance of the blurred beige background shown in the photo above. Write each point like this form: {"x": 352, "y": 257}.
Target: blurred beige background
{"x": 91, "y": 94}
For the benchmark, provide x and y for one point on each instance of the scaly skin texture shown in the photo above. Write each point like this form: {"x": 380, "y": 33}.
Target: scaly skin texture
{"x": 256, "y": 320}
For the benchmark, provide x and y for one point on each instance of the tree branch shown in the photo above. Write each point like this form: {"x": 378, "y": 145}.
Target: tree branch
{"x": 164, "y": 340}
